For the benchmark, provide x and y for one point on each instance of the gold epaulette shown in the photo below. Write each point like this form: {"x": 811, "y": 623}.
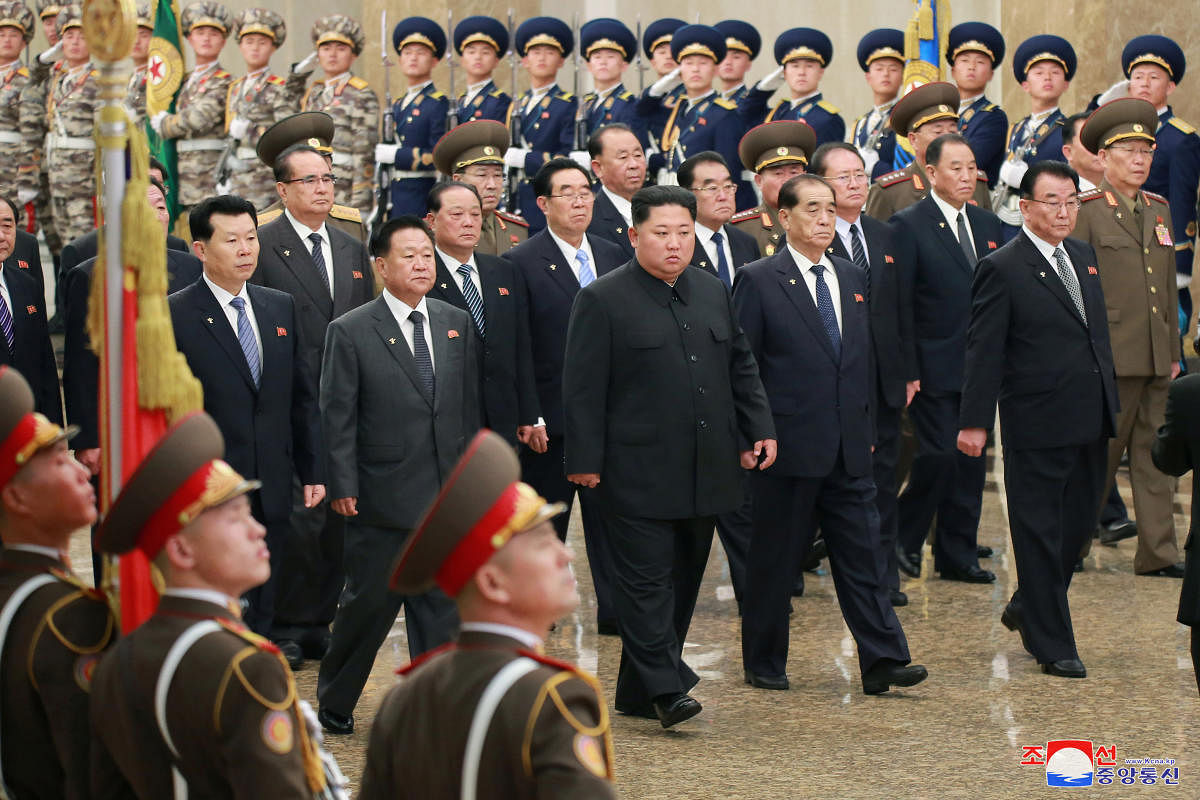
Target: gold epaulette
{"x": 436, "y": 94}
{"x": 513, "y": 218}
{"x": 497, "y": 93}
{"x": 1091, "y": 194}
{"x": 626, "y": 95}
{"x": 1183, "y": 126}
{"x": 357, "y": 82}
{"x": 345, "y": 212}
{"x": 565, "y": 95}
{"x": 980, "y": 175}
{"x": 893, "y": 178}
{"x": 989, "y": 107}
{"x": 267, "y": 216}
{"x": 220, "y": 74}
{"x": 275, "y": 79}
{"x": 23, "y": 72}
{"x": 728, "y": 105}
{"x": 828, "y": 106}
{"x": 1153, "y": 196}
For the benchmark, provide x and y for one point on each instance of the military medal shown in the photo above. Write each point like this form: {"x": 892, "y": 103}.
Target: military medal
{"x": 1163, "y": 235}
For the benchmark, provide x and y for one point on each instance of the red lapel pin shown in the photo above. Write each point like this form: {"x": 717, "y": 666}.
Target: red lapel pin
{"x": 356, "y": 275}
{"x": 503, "y": 292}
{"x": 991, "y": 245}
{"x": 281, "y": 331}
{"x": 451, "y": 334}
{"x": 1092, "y": 271}
{"x": 858, "y": 298}
{"x": 22, "y": 263}
{"x": 31, "y": 309}
{"x": 888, "y": 259}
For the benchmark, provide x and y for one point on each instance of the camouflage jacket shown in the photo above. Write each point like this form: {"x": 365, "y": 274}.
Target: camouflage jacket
{"x": 355, "y": 111}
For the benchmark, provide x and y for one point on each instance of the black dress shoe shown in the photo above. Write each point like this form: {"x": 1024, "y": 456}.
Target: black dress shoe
{"x": 1114, "y": 532}
{"x": 1169, "y": 571}
{"x": 798, "y": 586}
{"x": 897, "y": 597}
{"x": 315, "y": 645}
{"x": 777, "y": 683}
{"x": 817, "y": 552}
{"x": 972, "y": 574}
{"x": 335, "y": 722}
{"x": 983, "y": 551}
{"x": 909, "y": 563}
{"x": 1066, "y": 668}
{"x": 1012, "y": 619}
{"x": 887, "y": 673}
{"x": 292, "y": 652}
{"x": 673, "y": 709}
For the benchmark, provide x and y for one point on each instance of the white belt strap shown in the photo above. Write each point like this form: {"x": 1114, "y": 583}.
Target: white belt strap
{"x": 400, "y": 174}
{"x": 194, "y": 145}
{"x": 482, "y": 720}
{"x": 72, "y": 142}
{"x": 6, "y": 617}
{"x": 246, "y": 153}
{"x": 162, "y": 686}
{"x": 10, "y": 137}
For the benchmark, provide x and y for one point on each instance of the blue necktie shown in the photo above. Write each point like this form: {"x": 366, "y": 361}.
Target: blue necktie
{"x": 825, "y": 309}
{"x": 722, "y": 262}
{"x": 586, "y": 275}
{"x": 421, "y": 352}
{"x": 246, "y": 339}
{"x": 318, "y": 257}
{"x": 471, "y": 295}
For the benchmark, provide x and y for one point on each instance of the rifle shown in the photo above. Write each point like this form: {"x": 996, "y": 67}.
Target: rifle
{"x": 637, "y": 61}
{"x": 225, "y": 163}
{"x": 383, "y": 174}
{"x": 514, "y": 117}
{"x": 452, "y": 106}
{"x": 580, "y": 108}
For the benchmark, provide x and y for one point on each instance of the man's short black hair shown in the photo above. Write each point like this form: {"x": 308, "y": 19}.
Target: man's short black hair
{"x": 789, "y": 193}
{"x": 544, "y": 179}
{"x": 1059, "y": 169}
{"x": 155, "y": 164}
{"x": 157, "y": 184}
{"x": 434, "y": 200}
{"x": 1071, "y": 126}
{"x": 283, "y": 172}
{"x": 651, "y": 197}
{"x": 200, "y": 217}
{"x": 817, "y": 165}
{"x": 381, "y": 240}
{"x": 686, "y": 174}
{"x": 13, "y": 206}
{"x": 933, "y": 153}
{"x": 595, "y": 142}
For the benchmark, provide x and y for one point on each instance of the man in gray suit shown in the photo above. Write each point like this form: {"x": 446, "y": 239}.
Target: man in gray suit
{"x": 399, "y": 401}
{"x": 328, "y": 273}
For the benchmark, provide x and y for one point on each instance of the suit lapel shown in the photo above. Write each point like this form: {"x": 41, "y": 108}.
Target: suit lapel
{"x": 273, "y": 337}
{"x": 943, "y": 233}
{"x": 212, "y": 317}
{"x": 796, "y": 290}
{"x": 556, "y": 266}
{"x": 982, "y": 245}
{"x": 443, "y": 356}
{"x": 448, "y": 286}
{"x": 394, "y": 342}
{"x": 343, "y": 281}
{"x": 296, "y": 257}
{"x": 1048, "y": 276}
{"x": 849, "y": 300}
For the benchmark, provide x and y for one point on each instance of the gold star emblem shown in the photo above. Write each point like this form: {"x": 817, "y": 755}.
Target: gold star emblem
{"x": 1119, "y": 215}
{"x": 209, "y": 320}
{"x": 619, "y": 230}
{"x": 1042, "y": 274}
{"x": 443, "y": 285}
{"x": 792, "y": 281}
{"x": 704, "y": 263}
{"x": 941, "y": 224}
{"x": 287, "y": 252}
{"x": 552, "y": 268}
{"x": 392, "y": 339}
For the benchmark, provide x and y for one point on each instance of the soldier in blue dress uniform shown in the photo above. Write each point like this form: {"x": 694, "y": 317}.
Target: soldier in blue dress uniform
{"x": 881, "y": 57}
{"x": 803, "y": 54}
{"x": 1155, "y": 66}
{"x": 659, "y": 99}
{"x": 742, "y": 45}
{"x": 542, "y": 120}
{"x": 974, "y": 51}
{"x": 608, "y": 46}
{"x": 420, "y": 116}
{"x": 480, "y": 43}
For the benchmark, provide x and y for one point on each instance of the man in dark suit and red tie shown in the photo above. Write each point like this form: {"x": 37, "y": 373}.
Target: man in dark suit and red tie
{"x": 1038, "y": 344}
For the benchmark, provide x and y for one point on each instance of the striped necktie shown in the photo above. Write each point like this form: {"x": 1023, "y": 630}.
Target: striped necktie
{"x": 246, "y": 339}
{"x": 471, "y": 295}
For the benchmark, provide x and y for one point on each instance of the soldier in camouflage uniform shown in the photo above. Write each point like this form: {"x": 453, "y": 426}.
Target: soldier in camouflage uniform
{"x": 135, "y": 95}
{"x": 16, "y": 29}
{"x": 256, "y": 102}
{"x": 71, "y": 120}
{"x": 199, "y": 119}
{"x": 33, "y": 187}
{"x": 352, "y": 104}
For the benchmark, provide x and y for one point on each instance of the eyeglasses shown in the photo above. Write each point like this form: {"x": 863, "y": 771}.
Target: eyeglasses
{"x": 1064, "y": 205}
{"x": 1144, "y": 152}
{"x": 853, "y": 177}
{"x": 582, "y": 197}
{"x": 713, "y": 191}
{"x": 312, "y": 180}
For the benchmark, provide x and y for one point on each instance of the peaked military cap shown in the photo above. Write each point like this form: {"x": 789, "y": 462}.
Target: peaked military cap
{"x": 480, "y": 141}
{"x": 1154, "y": 49}
{"x": 482, "y": 505}
{"x": 925, "y": 103}
{"x": 481, "y": 29}
{"x": 607, "y": 34}
{"x": 48, "y": 8}
{"x": 975, "y": 37}
{"x": 658, "y": 33}
{"x": 314, "y": 128}
{"x": 69, "y": 16}
{"x": 1044, "y": 47}
{"x": 544, "y": 30}
{"x": 15, "y": 14}
{"x": 1117, "y": 121}
{"x": 880, "y": 43}
{"x": 784, "y": 141}
{"x": 740, "y": 36}
{"x": 260, "y": 20}
{"x": 803, "y": 43}
{"x": 23, "y": 431}
{"x": 419, "y": 30}
{"x": 145, "y": 15}
{"x": 698, "y": 40}
{"x": 205, "y": 14}
{"x": 338, "y": 28}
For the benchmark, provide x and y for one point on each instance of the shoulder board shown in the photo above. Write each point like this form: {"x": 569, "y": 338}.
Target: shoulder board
{"x": 220, "y": 74}
{"x": 745, "y": 216}
{"x": 728, "y": 105}
{"x": 496, "y": 93}
{"x": 236, "y": 82}
{"x": 989, "y": 107}
{"x": 1153, "y": 196}
{"x": 1090, "y": 194}
{"x": 357, "y": 82}
{"x": 437, "y": 94}
{"x": 565, "y": 95}
{"x": 73, "y": 580}
{"x": 245, "y": 634}
{"x": 1183, "y": 126}
{"x": 268, "y": 216}
{"x": 542, "y": 658}
{"x": 828, "y": 106}
{"x": 275, "y": 79}
{"x": 980, "y": 175}
{"x": 83, "y": 592}
{"x": 626, "y": 95}
{"x": 513, "y": 218}
{"x": 23, "y": 72}
{"x": 345, "y": 212}
{"x": 425, "y": 657}
{"x": 893, "y": 178}
{"x": 96, "y": 73}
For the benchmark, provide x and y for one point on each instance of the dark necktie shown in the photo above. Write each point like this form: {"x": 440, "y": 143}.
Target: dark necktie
{"x": 1070, "y": 280}
{"x": 6, "y": 323}
{"x": 722, "y": 263}
{"x": 964, "y": 240}
{"x": 860, "y": 255}
{"x": 421, "y": 352}
{"x": 246, "y": 339}
{"x": 318, "y": 257}
{"x": 471, "y": 295}
{"x": 825, "y": 309}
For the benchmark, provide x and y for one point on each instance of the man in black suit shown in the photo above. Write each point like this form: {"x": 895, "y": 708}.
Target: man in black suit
{"x": 243, "y": 344}
{"x": 25, "y": 253}
{"x": 1039, "y": 343}
{"x": 938, "y": 241}
{"x": 24, "y": 333}
{"x": 327, "y": 273}
{"x": 619, "y": 163}
{"x": 551, "y": 267}
{"x": 806, "y": 318}
{"x": 399, "y": 402}
{"x": 485, "y": 286}
{"x": 664, "y": 409}
{"x": 867, "y": 243}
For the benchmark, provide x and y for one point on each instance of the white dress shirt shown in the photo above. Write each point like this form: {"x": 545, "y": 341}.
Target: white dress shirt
{"x": 1035, "y": 120}
{"x": 231, "y": 313}
{"x": 1047, "y": 250}
{"x": 810, "y": 280}
{"x": 207, "y": 595}
{"x": 453, "y": 264}
{"x": 303, "y": 231}
{"x": 473, "y": 91}
{"x": 623, "y": 206}
{"x": 412, "y": 92}
{"x": 966, "y": 102}
{"x": 535, "y": 97}
{"x": 569, "y": 253}
{"x": 523, "y": 636}
{"x": 799, "y": 101}
{"x": 843, "y": 231}
{"x": 704, "y": 235}
{"x": 400, "y": 310}
{"x": 951, "y": 215}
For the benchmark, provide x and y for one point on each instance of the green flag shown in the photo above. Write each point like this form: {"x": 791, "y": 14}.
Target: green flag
{"x": 165, "y": 76}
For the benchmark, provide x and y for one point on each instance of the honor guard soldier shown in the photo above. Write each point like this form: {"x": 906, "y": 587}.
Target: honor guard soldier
{"x": 775, "y": 152}
{"x": 199, "y": 119}
{"x": 607, "y": 45}
{"x": 53, "y": 627}
{"x": 480, "y": 43}
{"x": 33, "y": 185}
{"x": 541, "y": 121}
{"x": 803, "y": 55}
{"x": 490, "y": 716}
{"x": 71, "y": 119}
{"x": 1155, "y": 66}
{"x": 256, "y": 101}
{"x": 474, "y": 153}
{"x": 316, "y": 129}
{"x": 975, "y": 50}
{"x": 742, "y": 44}
{"x": 922, "y": 115}
{"x": 349, "y": 100}
{"x": 135, "y": 93}
{"x": 192, "y": 704}
{"x": 1044, "y": 65}
{"x": 16, "y": 31}
{"x": 658, "y": 101}
{"x": 881, "y": 56}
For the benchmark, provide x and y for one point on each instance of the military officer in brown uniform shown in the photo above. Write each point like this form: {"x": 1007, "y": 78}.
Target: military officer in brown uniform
{"x": 489, "y": 716}
{"x": 1135, "y": 249}
{"x": 774, "y": 152}
{"x": 922, "y": 115}
{"x": 53, "y": 628}
{"x": 474, "y": 153}
{"x": 192, "y": 698}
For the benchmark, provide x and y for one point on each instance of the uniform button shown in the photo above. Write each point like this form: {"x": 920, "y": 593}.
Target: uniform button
{"x": 693, "y": 359}
{"x": 1154, "y": 309}
{"x": 1153, "y": 290}
{"x": 1146, "y": 250}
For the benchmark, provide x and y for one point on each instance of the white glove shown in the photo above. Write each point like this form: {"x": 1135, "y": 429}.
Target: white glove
{"x": 1117, "y": 90}
{"x": 771, "y": 82}
{"x": 514, "y": 157}
{"x": 307, "y": 65}
{"x": 224, "y": 187}
{"x": 582, "y": 158}
{"x": 870, "y": 157}
{"x": 315, "y": 732}
{"x": 157, "y": 120}
{"x": 51, "y": 55}
{"x": 1011, "y": 172}
{"x": 239, "y": 126}
{"x": 1182, "y": 281}
{"x": 667, "y": 177}
{"x": 26, "y": 196}
{"x": 666, "y": 83}
{"x": 386, "y": 154}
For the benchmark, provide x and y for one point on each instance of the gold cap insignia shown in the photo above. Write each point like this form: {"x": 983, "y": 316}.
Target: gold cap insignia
{"x": 781, "y": 151}
{"x": 1137, "y": 127}
{"x": 488, "y": 150}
